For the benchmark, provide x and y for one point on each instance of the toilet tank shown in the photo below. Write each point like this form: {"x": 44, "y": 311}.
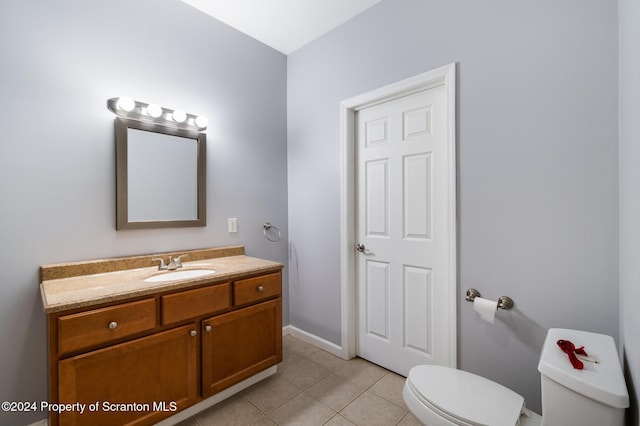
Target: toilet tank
{"x": 595, "y": 395}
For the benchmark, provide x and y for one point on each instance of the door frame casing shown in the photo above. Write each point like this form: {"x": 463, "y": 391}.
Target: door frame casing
{"x": 443, "y": 76}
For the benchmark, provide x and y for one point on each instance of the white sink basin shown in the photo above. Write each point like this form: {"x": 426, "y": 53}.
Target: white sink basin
{"x": 180, "y": 275}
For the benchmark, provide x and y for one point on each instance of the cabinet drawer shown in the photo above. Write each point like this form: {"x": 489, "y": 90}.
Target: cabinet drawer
{"x": 255, "y": 289}
{"x": 193, "y": 303}
{"x": 86, "y": 329}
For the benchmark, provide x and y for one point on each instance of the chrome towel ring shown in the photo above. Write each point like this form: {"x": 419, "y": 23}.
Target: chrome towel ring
{"x": 269, "y": 229}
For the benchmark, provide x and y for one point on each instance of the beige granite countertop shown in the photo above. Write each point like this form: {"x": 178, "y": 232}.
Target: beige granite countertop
{"x": 60, "y": 294}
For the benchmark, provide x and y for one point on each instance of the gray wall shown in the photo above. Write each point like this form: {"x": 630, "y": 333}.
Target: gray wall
{"x": 537, "y": 167}
{"x": 537, "y": 131}
{"x": 61, "y": 61}
{"x": 629, "y": 86}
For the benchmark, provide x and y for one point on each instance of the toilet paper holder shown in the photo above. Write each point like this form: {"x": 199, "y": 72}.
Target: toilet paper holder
{"x": 504, "y": 302}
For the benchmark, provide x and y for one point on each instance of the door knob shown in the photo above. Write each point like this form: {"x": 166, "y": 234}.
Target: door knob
{"x": 362, "y": 249}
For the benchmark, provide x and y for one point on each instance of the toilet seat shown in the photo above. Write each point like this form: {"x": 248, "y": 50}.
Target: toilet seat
{"x": 464, "y": 398}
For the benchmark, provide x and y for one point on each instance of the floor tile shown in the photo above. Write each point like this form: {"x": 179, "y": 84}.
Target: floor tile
{"x": 409, "y": 420}
{"x": 270, "y": 393}
{"x": 304, "y": 373}
{"x": 390, "y": 388}
{"x": 236, "y": 411}
{"x": 289, "y": 358}
{"x": 328, "y": 360}
{"x": 302, "y": 410}
{"x": 336, "y": 391}
{"x": 362, "y": 372}
{"x": 298, "y": 346}
{"x": 371, "y": 410}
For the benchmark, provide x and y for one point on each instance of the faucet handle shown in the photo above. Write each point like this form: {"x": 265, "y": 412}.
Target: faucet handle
{"x": 161, "y": 265}
{"x": 178, "y": 260}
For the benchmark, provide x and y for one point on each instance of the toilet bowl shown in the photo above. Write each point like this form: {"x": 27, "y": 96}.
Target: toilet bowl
{"x": 596, "y": 395}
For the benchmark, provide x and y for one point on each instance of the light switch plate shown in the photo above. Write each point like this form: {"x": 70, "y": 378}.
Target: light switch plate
{"x": 232, "y": 225}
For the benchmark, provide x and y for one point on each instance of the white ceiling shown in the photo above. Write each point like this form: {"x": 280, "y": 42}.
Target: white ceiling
{"x": 285, "y": 25}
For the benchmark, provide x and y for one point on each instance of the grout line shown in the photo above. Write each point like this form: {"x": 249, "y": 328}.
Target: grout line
{"x": 403, "y": 417}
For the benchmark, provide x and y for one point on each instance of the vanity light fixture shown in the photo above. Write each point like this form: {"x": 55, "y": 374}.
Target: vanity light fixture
{"x": 125, "y": 106}
{"x": 154, "y": 110}
{"x": 179, "y": 116}
{"x": 202, "y": 122}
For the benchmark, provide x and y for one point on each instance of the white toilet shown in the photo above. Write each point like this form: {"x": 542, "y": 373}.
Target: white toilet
{"x": 594, "y": 396}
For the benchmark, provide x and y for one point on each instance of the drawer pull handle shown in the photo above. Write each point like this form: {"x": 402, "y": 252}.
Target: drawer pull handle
{"x": 113, "y": 325}
{"x": 260, "y": 288}
{"x": 193, "y": 333}
{"x": 207, "y": 328}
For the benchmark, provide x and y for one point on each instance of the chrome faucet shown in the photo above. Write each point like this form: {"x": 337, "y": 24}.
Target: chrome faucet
{"x": 174, "y": 262}
{"x": 161, "y": 265}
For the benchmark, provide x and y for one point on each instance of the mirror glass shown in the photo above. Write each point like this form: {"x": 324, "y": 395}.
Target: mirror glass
{"x": 160, "y": 176}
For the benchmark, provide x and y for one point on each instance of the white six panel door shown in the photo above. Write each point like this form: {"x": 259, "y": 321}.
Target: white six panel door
{"x": 402, "y": 220}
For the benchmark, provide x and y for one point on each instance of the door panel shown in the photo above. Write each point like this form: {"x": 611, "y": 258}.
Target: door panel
{"x": 378, "y": 299}
{"x": 417, "y": 200}
{"x": 377, "y": 200}
{"x": 417, "y": 294}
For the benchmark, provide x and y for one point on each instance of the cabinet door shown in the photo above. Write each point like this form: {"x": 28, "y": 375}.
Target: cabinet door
{"x": 133, "y": 383}
{"x": 239, "y": 344}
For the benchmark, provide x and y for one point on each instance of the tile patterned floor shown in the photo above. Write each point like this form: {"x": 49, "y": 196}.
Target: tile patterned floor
{"x": 313, "y": 387}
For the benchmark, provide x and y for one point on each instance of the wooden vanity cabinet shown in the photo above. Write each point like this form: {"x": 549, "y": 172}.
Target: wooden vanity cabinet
{"x": 163, "y": 353}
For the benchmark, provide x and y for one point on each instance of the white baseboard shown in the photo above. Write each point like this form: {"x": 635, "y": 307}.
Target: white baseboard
{"x": 312, "y": 339}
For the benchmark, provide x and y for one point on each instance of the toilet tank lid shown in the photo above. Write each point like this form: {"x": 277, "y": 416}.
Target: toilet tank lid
{"x": 603, "y": 381}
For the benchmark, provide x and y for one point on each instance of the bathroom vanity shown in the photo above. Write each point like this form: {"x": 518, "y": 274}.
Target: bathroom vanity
{"x": 127, "y": 346}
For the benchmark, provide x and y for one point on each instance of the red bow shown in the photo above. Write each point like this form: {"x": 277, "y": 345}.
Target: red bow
{"x": 570, "y": 349}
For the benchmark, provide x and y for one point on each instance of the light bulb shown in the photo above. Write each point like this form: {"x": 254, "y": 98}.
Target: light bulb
{"x": 125, "y": 103}
{"x": 154, "y": 110}
{"x": 179, "y": 116}
{"x": 201, "y": 121}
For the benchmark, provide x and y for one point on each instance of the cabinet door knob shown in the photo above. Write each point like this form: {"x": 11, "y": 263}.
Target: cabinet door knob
{"x": 260, "y": 288}
{"x": 207, "y": 328}
{"x": 193, "y": 332}
{"x": 113, "y": 325}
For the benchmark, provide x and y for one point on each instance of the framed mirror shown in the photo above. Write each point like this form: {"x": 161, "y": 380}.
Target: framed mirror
{"x": 160, "y": 176}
